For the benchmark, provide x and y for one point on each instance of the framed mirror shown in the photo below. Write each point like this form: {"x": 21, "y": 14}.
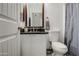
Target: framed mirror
{"x": 33, "y": 14}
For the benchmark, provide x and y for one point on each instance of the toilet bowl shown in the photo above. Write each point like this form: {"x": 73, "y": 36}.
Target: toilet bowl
{"x": 59, "y": 49}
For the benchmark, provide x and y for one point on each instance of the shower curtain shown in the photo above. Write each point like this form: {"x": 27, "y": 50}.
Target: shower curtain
{"x": 72, "y": 28}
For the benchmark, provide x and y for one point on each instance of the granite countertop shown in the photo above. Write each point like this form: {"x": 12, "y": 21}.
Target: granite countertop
{"x": 34, "y": 33}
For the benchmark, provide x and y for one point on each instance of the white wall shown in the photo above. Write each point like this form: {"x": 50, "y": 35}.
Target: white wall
{"x": 56, "y": 14}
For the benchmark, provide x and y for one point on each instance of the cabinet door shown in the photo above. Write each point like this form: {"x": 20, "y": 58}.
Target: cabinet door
{"x": 38, "y": 45}
{"x": 26, "y": 45}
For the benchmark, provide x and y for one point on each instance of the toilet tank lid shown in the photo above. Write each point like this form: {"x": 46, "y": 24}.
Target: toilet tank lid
{"x": 59, "y": 45}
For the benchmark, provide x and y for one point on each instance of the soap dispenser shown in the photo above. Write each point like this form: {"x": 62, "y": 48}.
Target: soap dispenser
{"x": 47, "y": 24}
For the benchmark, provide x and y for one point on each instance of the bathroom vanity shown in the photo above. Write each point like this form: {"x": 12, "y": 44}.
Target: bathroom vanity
{"x": 33, "y": 35}
{"x": 34, "y": 44}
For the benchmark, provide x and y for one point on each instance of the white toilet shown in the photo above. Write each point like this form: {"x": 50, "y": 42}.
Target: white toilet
{"x": 59, "y": 49}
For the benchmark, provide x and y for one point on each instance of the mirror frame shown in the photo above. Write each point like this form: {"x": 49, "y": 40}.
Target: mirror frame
{"x": 25, "y": 17}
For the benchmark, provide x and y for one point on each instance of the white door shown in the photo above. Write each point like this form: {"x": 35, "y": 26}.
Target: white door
{"x": 9, "y": 33}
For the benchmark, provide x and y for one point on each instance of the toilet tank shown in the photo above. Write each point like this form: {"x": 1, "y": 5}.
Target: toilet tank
{"x": 54, "y": 35}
